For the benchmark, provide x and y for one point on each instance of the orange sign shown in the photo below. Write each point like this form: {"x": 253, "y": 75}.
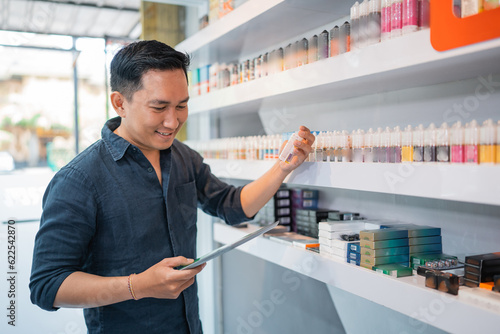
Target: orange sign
{"x": 449, "y": 32}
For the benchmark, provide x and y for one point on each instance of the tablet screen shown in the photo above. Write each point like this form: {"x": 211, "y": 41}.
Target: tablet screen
{"x": 226, "y": 248}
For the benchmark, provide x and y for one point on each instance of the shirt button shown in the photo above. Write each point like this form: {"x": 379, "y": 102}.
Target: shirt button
{"x": 150, "y": 170}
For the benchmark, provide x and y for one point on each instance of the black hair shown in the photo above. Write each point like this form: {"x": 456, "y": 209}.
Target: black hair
{"x": 134, "y": 60}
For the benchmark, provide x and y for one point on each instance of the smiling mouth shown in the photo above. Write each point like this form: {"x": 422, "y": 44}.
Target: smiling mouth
{"x": 165, "y": 133}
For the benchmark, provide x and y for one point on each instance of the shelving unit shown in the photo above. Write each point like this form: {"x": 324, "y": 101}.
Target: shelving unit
{"x": 464, "y": 183}
{"x": 242, "y": 31}
{"x": 408, "y": 62}
{"x": 384, "y": 290}
{"x": 378, "y": 68}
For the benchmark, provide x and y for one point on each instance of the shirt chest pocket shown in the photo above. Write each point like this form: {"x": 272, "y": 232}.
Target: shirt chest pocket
{"x": 187, "y": 201}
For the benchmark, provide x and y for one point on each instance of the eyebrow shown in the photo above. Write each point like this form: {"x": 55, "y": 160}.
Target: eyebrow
{"x": 166, "y": 102}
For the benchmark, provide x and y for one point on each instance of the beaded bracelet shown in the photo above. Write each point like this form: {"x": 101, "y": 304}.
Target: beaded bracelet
{"x": 130, "y": 289}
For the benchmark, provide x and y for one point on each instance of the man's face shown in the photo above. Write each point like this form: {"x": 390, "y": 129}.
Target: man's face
{"x": 156, "y": 112}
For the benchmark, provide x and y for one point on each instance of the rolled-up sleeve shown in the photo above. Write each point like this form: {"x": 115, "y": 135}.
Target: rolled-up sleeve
{"x": 67, "y": 226}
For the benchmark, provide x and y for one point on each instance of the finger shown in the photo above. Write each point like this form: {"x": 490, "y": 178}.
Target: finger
{"x": 177, "y": 261}
{"x": 307, "y": 135}
{"x": 186, "y": 285}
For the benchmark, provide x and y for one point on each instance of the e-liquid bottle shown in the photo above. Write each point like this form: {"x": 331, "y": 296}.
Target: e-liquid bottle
{"x": 396, "y": 145}
{"x": 345, "y": 38}
{"x": 430, "y": 143}
{"x": 471, "y": 148}
{"x": 326, "y": 146}
{"x": 374, "y": 19}
{"x": 385, "y": 20}
{"x": 385, "y": 141}
{"x": 302, "y": 51}
{"x": 407, "y": 142}
{"x": 443, "y": 144}
{"x": 334, "y": 41}
{"x": 265, "y": 65}
{"x": 319, "y": 147}
{"x": 368, "y": 150}
{"x": 423, "y": 14}
{"x": 279, "y": 60}
{"x": 418, "y": 144}
{"x": 363, "y": 24}
{"x": 471, "y": 7}
{"x": 487, "y": 143}
{"x": 357, "y": 145}
{"x": 312, "y": 54}
{"x": 287, "y": 153}
{"x": 457, "y": 143}
{"x": 410, "y": 16}
{"x": 377, "y": 146}
{"x": 288, "y": 56}
{"x": 346, "y": 147}
{"x": 396, "y": 18}
{"x": 323, "y": 45}
{"x": 338, "y": 146}
{"x": 498, "y": 143}
{"x": 354, "y": 25}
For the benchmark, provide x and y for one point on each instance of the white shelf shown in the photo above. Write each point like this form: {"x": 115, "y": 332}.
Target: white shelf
{"x": 405, "y": 62}
{"x": 243, "y": 31}
{"x": 463, "y": 183}
{"x": 472, "y": 311}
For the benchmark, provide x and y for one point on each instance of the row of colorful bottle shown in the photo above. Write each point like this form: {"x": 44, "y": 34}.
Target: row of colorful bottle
{"x": 472, "y": 143}
{"x": 372, "y": 21}
{"x": 240, "y": 148}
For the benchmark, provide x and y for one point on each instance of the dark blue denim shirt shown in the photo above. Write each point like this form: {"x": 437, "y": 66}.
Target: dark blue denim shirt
{"x": 105, "y": 213}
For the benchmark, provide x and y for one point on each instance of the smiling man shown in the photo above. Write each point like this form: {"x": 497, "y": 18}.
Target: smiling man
{"x": 121, "y": 216}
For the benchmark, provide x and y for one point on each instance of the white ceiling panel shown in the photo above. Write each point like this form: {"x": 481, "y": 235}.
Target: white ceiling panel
{"x": 80, "y": 18}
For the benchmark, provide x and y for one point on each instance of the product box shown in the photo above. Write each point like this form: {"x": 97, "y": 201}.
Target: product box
{"x": 383, "y": 234}
{"x": 305, "y": 193}
{"x": 290, "y": 237}
{"x": 337, "y": 226}
{"x": 385, "y": 259}
{"x": 485, "y": 274}
{"x": 426, "y": 249}
{"x": 436, "y": 239}
{"x": 340, "y": 216}
{"x": 395, "y": 270}
{"x": 449, "y": 283}
{"x": 484, "y": 260}
{"x": 306, "y": 243}
{"x": 385, "y": 251}
{"x": 384, "y": 243}
{"x": 415, "y": 231}
{"x": 305, "y": 203}
{"x": 282, "y": 193}
{"x": 352, "y": 246}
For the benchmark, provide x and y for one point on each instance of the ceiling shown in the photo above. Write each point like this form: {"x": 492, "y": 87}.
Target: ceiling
{"x": 80, "y": 18}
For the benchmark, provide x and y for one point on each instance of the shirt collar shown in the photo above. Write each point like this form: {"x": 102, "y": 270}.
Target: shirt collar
{"x": 117, "y": 145}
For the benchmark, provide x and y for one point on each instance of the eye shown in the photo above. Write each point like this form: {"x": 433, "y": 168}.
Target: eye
{"x": 182, "y": 107}
{"x": 158, "y": 108}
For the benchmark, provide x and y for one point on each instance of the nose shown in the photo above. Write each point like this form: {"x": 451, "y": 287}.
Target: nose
{"x": 171, "y": 121}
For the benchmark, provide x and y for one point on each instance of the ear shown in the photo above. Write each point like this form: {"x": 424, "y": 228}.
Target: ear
{"x": 118, "y": 100}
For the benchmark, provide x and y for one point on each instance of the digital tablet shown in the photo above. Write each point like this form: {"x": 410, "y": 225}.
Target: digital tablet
{"x": 226, "y": 248}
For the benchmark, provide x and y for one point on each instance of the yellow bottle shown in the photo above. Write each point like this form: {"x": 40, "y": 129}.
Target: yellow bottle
{"x": 498, "y": 144}
{"x": 487, "y": 149}
{"x": 407, "y": 141}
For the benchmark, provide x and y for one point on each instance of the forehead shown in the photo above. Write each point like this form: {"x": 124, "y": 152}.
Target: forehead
{"x": 165, "y": 78}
